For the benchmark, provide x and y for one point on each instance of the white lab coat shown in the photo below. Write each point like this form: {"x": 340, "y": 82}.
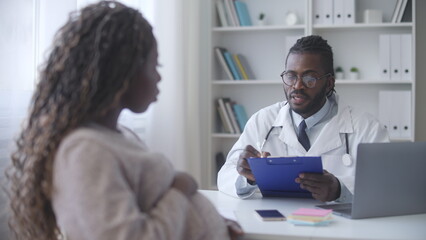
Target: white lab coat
{"x": 330, "y": 143}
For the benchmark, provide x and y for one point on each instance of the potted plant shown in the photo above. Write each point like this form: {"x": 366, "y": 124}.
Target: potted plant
{"x": 261, "y": 19}
{"x": 354, "y": 73}
{"x": 339, "y": 73}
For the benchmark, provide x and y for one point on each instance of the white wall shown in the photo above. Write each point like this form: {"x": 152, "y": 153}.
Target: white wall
{"x": 16, "y": 79}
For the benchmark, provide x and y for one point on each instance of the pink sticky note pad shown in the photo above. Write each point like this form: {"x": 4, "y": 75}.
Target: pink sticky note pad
{"x": 312, "y": 212}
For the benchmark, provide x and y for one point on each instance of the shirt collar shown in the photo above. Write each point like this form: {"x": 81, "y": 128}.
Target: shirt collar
{"x": 314, "y": 119}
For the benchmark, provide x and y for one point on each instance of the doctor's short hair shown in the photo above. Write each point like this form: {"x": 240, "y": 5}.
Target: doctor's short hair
{"x": 314, "y": 44}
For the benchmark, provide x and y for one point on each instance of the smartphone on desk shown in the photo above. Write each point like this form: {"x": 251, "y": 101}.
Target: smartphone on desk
{"x": 270, "y": 215}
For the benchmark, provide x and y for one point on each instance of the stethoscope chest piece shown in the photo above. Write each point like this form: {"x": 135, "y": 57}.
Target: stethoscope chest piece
{"x": 347, "y": 160}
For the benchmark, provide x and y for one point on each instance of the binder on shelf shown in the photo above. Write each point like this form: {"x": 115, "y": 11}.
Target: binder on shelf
{"x": 349, "y": 11}
{"x": 240, "y": 67}
{"x": 223, "y": 113}
{"x": 223, "y": 126}
{"x": 384, "y": 111}
{"x": 241, "y": 115}
{"x": 323, "y": 12}
{"x": 405, "y": 115}
{"x": 384, "y": 56}
{"x": 230, "y": 10}
{"x": 246, "y": 66}
{"x": 233, "y": 116}
{"x": 388, "y": 112}
{"x": 338, "y": 12}
{"x": 221, "y": 13}
{"x": 395, "y": 113}
{"x": 228, "y": 105}
{"x": 395, "y": 57}
{"x": 396, "y": 11}
{"x": 242, "y": 13}
{"x": 406, "y": 54}
{"x": 327, "y": 12}
{"x": 401, "y": 11}
{"x": 219, "y": 55}
{"x": 317, "y": 12}
{"x": 231, "y": 64}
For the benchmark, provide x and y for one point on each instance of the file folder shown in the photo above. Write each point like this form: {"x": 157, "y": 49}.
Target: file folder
{"x": 394, "y": 108}
{"x": 322, "y": 12}
{"x": 338, "y": 12}
{"x": 406, "y": 54}
{"x": 384, "y": 111}
{"x": 405, "y": 115}
{"x": 395, "y": 114}
{"x": 384, "y": 55}
{"x": 316, "y": 12}
{"x": 395, "y": 57}
{"x": 349, "y": 8}
{"x": 327, "y": 12}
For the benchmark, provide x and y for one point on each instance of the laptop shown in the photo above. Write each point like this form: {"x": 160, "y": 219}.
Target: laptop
{"x": 275, "y": 175}
{"x": 390, "y": 180}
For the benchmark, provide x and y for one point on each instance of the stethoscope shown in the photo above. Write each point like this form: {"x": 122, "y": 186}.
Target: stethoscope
{"x": 346, "y": 158}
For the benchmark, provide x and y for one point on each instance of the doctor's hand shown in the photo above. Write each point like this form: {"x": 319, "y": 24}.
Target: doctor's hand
{"x": 243, "y": 166}
{"x": 324, "y": 187}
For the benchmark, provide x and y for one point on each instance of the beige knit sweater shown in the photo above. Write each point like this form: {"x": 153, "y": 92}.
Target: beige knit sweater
{"x": 108, "y": 185}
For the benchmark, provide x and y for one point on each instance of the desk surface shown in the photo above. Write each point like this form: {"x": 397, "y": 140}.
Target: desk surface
{"x": 401, "y": 227}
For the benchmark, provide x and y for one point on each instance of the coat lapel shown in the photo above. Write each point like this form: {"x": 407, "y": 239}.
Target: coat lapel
{"x": 329, "y": 138}
{"x": 287, "y": 134}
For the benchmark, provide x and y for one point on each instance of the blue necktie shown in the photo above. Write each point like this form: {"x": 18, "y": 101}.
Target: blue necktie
{"x": 302, "y": 137}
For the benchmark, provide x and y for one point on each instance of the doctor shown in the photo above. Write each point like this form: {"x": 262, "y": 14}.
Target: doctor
{"x": 312, "y": 122}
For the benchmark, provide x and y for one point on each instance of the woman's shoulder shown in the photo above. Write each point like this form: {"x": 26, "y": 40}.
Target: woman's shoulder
{"x": 96, "y": 137}
{"x": 100, "y": 134}
{"x": 87, "y": 133}
{"x": 118, "y": 146}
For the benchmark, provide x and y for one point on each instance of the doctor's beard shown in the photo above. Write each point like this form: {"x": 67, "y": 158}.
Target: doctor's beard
{"x": 314, "y": 104}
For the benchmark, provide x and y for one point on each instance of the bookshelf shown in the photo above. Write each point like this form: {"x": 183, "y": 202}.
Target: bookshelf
{"x": 264, "y": 46}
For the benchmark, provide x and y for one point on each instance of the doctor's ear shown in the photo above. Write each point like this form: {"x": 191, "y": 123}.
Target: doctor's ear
{"x": 331, "y": 80}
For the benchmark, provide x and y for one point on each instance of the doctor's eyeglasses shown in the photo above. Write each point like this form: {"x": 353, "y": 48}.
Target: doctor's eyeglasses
{"x": 290, "y": 79}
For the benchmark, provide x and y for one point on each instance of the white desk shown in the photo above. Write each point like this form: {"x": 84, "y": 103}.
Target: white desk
{"x": 386, "y": 228}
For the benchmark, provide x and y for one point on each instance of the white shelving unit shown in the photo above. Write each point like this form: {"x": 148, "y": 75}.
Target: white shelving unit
{"x": 264, "y": 48}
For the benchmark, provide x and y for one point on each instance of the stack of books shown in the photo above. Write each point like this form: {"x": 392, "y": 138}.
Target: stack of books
{"x": 310, "y": 217}
{"x": 233, "y": 13}
{"x": 233, "y": 116}
{"x": 235, "y": 66}
{"x": 402, "y": 11}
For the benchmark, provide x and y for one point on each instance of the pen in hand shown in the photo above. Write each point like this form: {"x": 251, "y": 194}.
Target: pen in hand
{"x": 260, "y": 146}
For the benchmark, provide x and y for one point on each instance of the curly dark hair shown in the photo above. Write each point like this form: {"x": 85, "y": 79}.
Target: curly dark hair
{"x": 315, "y": 44}
{"x": 95, "y": 56}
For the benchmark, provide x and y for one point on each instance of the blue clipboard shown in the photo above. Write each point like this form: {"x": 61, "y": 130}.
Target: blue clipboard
{"x": 275, "y": 175}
